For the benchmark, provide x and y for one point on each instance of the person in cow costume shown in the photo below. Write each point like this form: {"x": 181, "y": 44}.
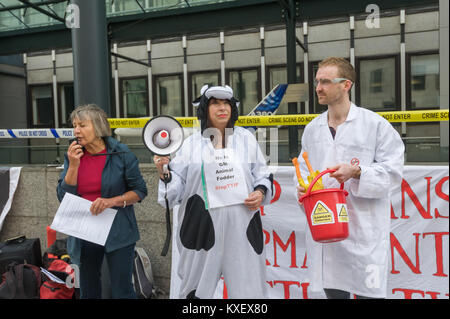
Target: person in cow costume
{"x": 218, "y": 235}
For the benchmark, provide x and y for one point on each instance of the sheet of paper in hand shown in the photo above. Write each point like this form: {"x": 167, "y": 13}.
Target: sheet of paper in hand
{"x": 74, "y": 218}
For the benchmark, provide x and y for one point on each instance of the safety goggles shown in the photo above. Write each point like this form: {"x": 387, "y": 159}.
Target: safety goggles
{"x": 329, "y": 81}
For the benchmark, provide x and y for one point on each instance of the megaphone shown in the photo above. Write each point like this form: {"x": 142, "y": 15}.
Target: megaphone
{"x": 163, "y": 135}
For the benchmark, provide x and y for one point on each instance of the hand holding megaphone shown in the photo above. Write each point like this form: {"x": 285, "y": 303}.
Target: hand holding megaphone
{"x": 162, "y": 163}
{"x": 163, "y": 135}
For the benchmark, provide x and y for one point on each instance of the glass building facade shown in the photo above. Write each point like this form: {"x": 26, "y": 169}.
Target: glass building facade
{"x": 252, "y": 61}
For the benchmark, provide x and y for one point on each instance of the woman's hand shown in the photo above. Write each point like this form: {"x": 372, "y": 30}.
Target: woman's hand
{"x": 74, "y": 153}
{"x": 160, "y": 161}
{"x": 254, "y": 200}
{"x": 126, "y": 199}
{"x": 100, "y": 204}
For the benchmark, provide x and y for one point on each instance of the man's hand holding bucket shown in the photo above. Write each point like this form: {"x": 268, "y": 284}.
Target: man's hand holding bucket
{"x": 344, "y": 172}
{"x": 300, "y": 192}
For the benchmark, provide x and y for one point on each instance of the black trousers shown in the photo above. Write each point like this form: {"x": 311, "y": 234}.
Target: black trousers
{"x": 340, "y": 294}
{"x": 120, "y": 265}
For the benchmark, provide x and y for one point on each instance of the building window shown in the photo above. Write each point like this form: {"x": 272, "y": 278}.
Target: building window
{"x": 376, "y": 80}
{"x": 198, "y": 80}
{"x": 67, "y": 102}
{"x": 42, "y": 106}
{"x": 134, "y": 97}
{"x": 169, "y": 95}
{"x": 9, "y": 19}
{"x": 424, "y": 85}
{"x": 278, "y": 75}
{"x": 124, "y": 6}
{"x": 35, "y": 18}
{"x": 245, "y": 86}
{"x": 377, "y": 84}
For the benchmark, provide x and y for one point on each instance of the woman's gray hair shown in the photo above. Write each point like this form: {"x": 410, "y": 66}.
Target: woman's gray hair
{"x": 96, "y": 115}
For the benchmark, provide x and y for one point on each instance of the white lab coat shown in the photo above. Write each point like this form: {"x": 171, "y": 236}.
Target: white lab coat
{"x": 358, "y": 264}
{"x": 231, "y": 255}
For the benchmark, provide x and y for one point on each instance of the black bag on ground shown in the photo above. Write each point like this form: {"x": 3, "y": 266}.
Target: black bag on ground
{"x": 142, "y": 275}
{"x": 20, "y": 250}
{"x": 20, "y": 281}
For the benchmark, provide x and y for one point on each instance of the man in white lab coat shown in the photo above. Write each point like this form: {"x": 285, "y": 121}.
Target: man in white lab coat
{"x": 368, "y": 155}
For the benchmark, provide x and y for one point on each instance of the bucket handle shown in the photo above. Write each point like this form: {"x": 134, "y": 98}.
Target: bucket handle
{"x": 317, "y": 178}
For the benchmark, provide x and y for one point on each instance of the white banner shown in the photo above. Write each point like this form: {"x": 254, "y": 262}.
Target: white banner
{"x": 419, "y": 252}
{"x": 9, "y": 178}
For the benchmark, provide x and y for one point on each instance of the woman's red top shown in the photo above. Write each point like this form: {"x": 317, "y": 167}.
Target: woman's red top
{"x": 90, "y": 175}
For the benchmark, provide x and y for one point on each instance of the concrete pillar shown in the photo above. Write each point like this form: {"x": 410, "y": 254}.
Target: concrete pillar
{"x": 91, "y": 58}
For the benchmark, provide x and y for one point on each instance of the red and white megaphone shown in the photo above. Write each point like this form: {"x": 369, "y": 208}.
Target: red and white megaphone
{"x": 163, "y": 135}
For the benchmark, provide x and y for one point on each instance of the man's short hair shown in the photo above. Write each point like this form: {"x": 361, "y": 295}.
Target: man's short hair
{"x": 345, "y": 69}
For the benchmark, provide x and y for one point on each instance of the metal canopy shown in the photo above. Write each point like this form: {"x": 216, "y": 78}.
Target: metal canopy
{"x": 190, "y": 19}
{"x": 20, "y": 11}
{"x": 20, "y": 14}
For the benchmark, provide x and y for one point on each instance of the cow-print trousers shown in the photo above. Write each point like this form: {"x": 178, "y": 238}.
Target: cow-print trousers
{"x": 226, "y": 241}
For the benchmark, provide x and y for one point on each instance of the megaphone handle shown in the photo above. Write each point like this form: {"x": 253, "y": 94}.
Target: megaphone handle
{"x": 166, "y": 173}
{"x": 168, "y": 224}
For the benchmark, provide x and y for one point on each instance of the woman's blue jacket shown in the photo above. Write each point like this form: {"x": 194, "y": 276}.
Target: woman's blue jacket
{"x": 120, "y": 175}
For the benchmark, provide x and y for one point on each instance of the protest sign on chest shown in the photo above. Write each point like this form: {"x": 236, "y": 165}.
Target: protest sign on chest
{"x": 224, "y": 180}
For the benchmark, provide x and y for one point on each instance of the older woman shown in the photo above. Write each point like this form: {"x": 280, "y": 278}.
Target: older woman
{"x": 220, "y": 179}
{"x": 99, "y": 168}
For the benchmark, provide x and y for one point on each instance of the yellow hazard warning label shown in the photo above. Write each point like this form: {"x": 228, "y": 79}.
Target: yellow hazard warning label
{"x": 342, "y": 213}
{"x": 322, "y": 214}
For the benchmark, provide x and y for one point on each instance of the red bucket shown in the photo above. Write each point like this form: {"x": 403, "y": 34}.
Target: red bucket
{"x": 326, "y": 211}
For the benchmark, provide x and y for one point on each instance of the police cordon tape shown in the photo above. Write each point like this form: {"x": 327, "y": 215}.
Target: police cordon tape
{"x": 37, "y": 133}
{"x": 297, "y": 119}
{"x": 254, "y": 120}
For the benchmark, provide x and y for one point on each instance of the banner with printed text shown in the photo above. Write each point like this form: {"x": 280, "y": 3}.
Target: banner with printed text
{"x": 419, "y": 250}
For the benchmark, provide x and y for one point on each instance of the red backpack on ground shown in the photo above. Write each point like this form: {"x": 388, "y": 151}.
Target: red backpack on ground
{"x": 51, "y": 289}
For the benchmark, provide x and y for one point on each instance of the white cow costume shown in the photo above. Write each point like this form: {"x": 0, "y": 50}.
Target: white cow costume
{"x": 358, "y": 264}
{"x": 219, "y": 241}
